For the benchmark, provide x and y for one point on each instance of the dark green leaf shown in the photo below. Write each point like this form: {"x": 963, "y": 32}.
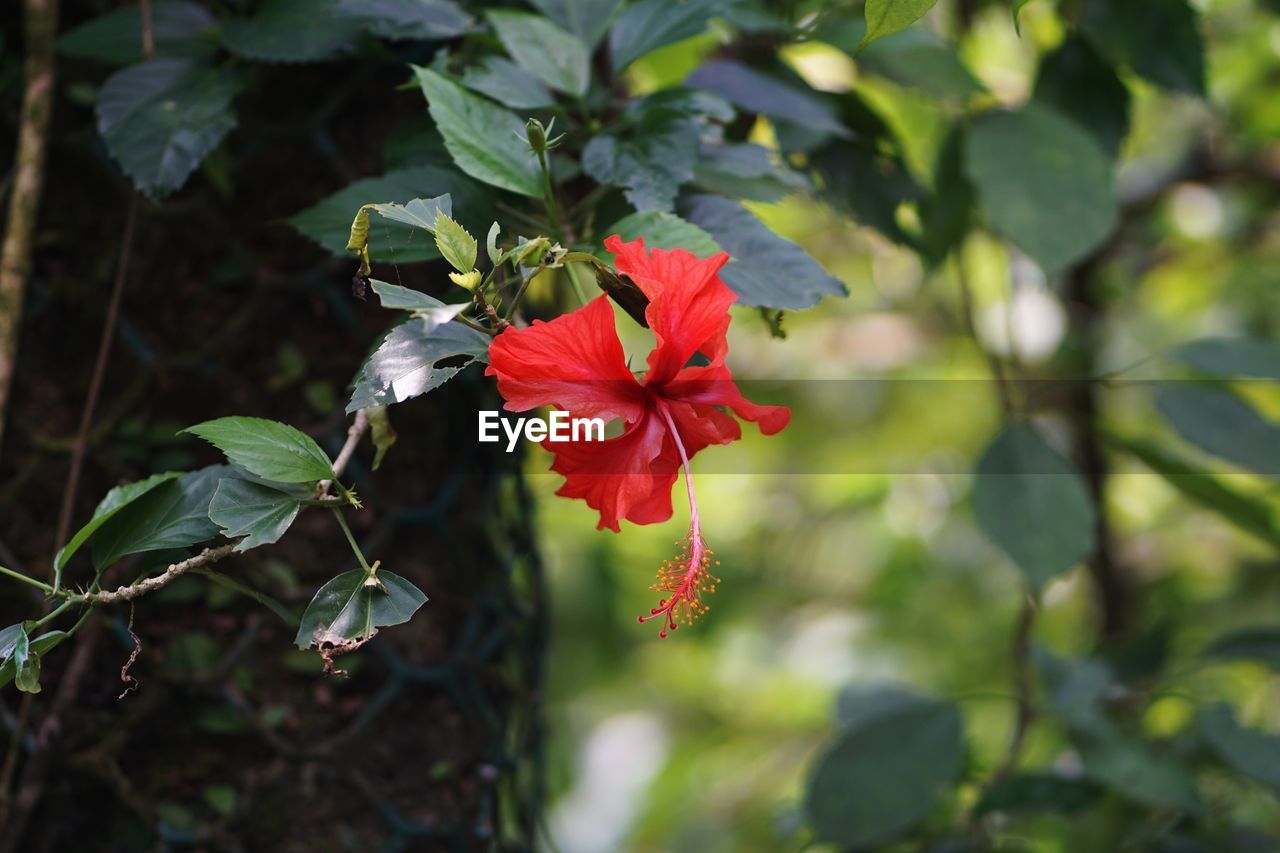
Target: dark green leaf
{"x": 554, "y": 56}
{"x": 1077, "y": 82}
{"x": 503, "y": 80}
{"x": 1250, "y": 513}
{"x": 1260, "y": 644}
{"x": 291, "y": 31}
{"x": 269, "y": 449}
{"x": 1220, "y": 423}
{"x": 767, "y": 270}
{"x": 756, "y": 92}
{"x": 1128, "y": 767}
{"x": 863, "y": 703}
{"x": 1254, "y": 753}
{"x": 662, "y": 230}
{"x": 1074, "y": 689}
{"x": 1233, "y": 358}
{"x": 486, "y": 141}
{"x": 179, "y": 29}
{"x": 329, "y": 222}
{"x": 1033, "y": 504}
{"x": 745, "y": 170}
{"x": 917, "y": 59}
{"x": 885, "y": 17}
{"x": 259, "y": 513}
{"x": 650, "y": 157}
{"x": 161, "y": 118}
{"x": 1043, "y": 182}
{"x": 174, "y": 514}
{"x": 416, "y": 302}
{"x": 115, "y": 500}
{"x": 885, "y": 773}
{"x": 404, "y": 364}
{"x": 947, "y": 213}
{"x": 587, "y": 19}
{"x": 1037, "y": 792}
{"x": 1159, "y": 39}
{"x": 408, "y": 19}
{"x": 650, "y": 24}
{"x": 354, "y": 605}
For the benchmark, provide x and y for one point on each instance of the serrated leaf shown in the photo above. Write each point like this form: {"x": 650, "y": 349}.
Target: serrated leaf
{"x": 1159, "y": 39}
{"x": 1043, "y": 182}
{"x": 1033, "y": 504}
{"x": 328, "y": 223}
{"x": 179, "y": 29}
{"x": 1260, "y": 644}
{"x": 885, "y": 17}
{"x": 554, "y": 56}
{"x": 485, "y": 141}
{"x": 114, "y": 501}
{"x": 1220, "y": 423}
{"x": 757, "y": 92}
{"x": 291, "y": 31}
{"x": 254, "y": 511}
{"x": 650, "y": 24}
{"x": 350, "y": 609}
{"x": 1254, "y": 753}
{"x": 174, "y": 514}
{"x": 662, "y": 230}
{"x": 650, "y": 158}
{"x": 766, "y": 270}
{"x": 503, "y": 80}
{"x": 745, "y": 170}
{"x": 918, "y": 743}
{"x": 268, "y": 449}
{"x": 160, "y": 119}
{"x": 384, "y": 437}
{"x": 587, "y": 19}
{"x": 395, "y": 297}
{"x": 1233, "y": 358}
{"x": 408, "y": 19}
{"x": 1077, "y": 82}
{"x": 404, "y": 364}
{"x": 456, "y": 246}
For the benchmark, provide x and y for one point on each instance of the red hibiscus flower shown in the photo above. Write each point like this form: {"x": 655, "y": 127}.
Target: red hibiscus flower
{"x": 576, "y": 363}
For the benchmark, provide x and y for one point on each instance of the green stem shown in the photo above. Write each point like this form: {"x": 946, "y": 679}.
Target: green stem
{"x": 549, "y": 196}
{"x": 57, "y": 611}
{"x": 19, "y": 576}
{"x": 351, "y": 540}
{"x": 572, "y": 270}
{"x": 524, "y": 285}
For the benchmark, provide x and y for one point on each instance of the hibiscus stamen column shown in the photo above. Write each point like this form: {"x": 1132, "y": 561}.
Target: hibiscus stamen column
{"x": 686, "y": 578}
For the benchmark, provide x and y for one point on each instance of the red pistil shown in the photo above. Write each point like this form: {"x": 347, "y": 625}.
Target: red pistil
{"x": 686, "y": 578}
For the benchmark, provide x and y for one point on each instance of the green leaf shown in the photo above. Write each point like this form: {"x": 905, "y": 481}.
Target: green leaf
{"x": 1250, "y": 513}
{"x": 662, "y": 230}
{"x": 179, "y": 29}
{"x": 404, "y": 364}
{"x": 915, "y": 58}
{"x": 1158, "y": 39}
{"x": 1078, "y": 83}
{"x": 947, "y": 213}
{"x": 416, "y": 302}
{"x": 1024, "y": 793}
{"x": 650, "y": 24}
{"x": 456, "y": 246}
{"x": 554, "y": 56}
{"x": 503, "y": 80}
{"x": 1254, "y": 753}
{"x": 1015, "y": 9}
{"x": 255, "y": 511}
{"x": 486, "y": 141}
{"x": 291, "y": 31}
{"x": 885, "y": 772}
{"x": 174, "y": 514}
{"x": 115, "y": 500}
{"x": 1220, "y": 423}
{"x": 885, "y": 17}
{"x": 354, "y": 605}
{"x": 1033, "y": 504}
{"x": 382, "y": 433}
{"x": 408, "y": 19}
{"x": 1233, "y": 358}
{"x": 1043, "y": 182}
{"x": 1260, "y": 644}
{"x": 650, "y": 159}
{"x": 745, "y": 170}
{"x": 36, "y": 649}
{"x": 26, "y": 666}
{"x": 161, "y": 118}
{"x": 756, "y": 92}
{"x": 269, "y": 449}
{"x": 418, "y": 212}
{"x": 1129, "y": 768}
{"x": 328, "y": 223}
{"x": 587, "y": 19}
{"x": 767, "y": 270}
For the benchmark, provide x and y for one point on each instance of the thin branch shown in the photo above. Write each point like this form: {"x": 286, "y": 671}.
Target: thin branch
{"x": 355, "y": 432}
{"x": 40, "y": 26}
{"x": 1024, "y": 687}
{"x": 207, "y": 557}
{"x": 993, "y": 361}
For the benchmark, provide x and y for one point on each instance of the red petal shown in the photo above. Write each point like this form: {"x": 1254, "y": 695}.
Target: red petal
{"x": 713, "y": 385}
{"x": 629, "y": 476}
{"x": 574, "y": 362}
{"x": 688, "y": 303}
